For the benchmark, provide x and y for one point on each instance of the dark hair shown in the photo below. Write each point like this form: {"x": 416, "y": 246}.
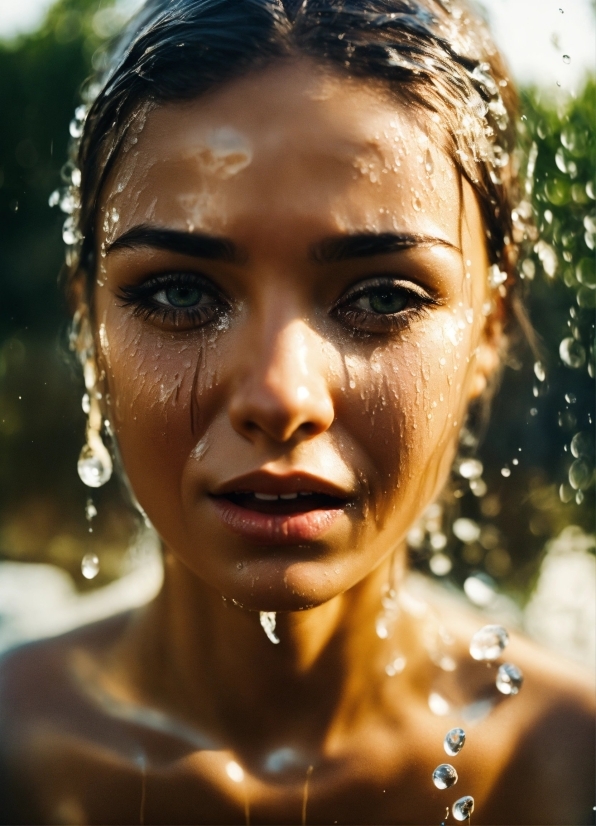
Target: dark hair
{"x": 434, "y": 55}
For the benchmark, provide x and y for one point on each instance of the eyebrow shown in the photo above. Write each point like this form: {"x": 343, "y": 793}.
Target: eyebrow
{"x": 328, "y": 251}
{"x": 368, "y": 244}
{"x": 196, "y": 244}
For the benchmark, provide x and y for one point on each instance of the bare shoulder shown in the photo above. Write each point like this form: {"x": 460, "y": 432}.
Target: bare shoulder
{"x": 540, "y": 756}
{"x": 39, "y": 697}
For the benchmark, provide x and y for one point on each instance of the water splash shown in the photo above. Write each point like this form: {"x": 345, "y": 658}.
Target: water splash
{"x": 268, "y": 620}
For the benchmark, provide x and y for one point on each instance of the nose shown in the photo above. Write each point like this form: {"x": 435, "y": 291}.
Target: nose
{"x": 282, "y": 393}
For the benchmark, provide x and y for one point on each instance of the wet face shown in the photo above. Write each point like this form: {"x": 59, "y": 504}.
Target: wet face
{"x": 289, "y": 314}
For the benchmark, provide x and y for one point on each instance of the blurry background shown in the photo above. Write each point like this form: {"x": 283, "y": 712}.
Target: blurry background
{"x": 515, "y": 533}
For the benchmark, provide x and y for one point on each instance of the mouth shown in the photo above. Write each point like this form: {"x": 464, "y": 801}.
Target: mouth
{"x": 274, "y": 510}
{"x": 284, "y": 504}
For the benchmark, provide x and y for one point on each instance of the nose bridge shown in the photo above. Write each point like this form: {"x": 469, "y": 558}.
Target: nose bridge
{"x": 283, "y": 391}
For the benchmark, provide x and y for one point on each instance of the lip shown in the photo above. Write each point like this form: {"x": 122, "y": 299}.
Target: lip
{"x": 278, "y": 529}
{"x": 273, "y": 483}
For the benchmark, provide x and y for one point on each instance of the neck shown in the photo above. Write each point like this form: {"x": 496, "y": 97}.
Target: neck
{"x": 216, "y": 665}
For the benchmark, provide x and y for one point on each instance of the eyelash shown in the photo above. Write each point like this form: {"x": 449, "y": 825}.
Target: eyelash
{"x": 141, "y": 298}
{"x": 419, "y": 304}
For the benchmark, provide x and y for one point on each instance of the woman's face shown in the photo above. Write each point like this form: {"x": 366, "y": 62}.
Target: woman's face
{"x": 290, "y": 317}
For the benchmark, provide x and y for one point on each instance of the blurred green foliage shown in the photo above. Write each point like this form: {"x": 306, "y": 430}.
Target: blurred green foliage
{"x": 41, "y": 423}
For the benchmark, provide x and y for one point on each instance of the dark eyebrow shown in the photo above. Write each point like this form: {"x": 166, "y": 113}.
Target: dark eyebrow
{"x": 197, "y": 244}
{"x": 367, "y": 244}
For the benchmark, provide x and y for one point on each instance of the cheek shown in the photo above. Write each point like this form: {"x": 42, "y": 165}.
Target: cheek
{"x": 412, "y": 398}
{"x": 153, "y": 384}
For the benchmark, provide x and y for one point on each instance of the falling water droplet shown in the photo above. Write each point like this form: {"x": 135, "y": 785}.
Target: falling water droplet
{"x": 90, "y": 566}
{"x": 566, "y": 59}
{"x": 235, "y": 772}
{"x": 471, "y": 469}
{"x": 539, "y": 371}
{"x": 580, "y": 474}
{"x": 489, "y": 643}
{"x": 86, "y": 403}
{"x": 94, "y": 466}
{"x": 268, "y": 620}
{"x": 582, "y": 445}
{"x": 444, "y": 776}
{"x": 463, "y": 808}
{"x": 579, "y": 497}
{"x": 506, "y": 472}
{"x": 509, "y": 679}
{"x": 570, "y": 398}
{"x": 466, "y": 530}
{"x": 90, "y": 510}
{"x": 454, "y": 741}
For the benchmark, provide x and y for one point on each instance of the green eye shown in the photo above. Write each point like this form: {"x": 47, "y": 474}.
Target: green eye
{"x": 385, "y": 301}
{"x": 180, "y": 295}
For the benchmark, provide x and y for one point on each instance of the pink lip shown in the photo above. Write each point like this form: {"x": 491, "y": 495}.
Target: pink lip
{"x": 273, "y": 529}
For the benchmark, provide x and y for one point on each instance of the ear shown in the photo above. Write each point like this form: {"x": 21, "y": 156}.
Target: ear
{"x": 489, "y": 353}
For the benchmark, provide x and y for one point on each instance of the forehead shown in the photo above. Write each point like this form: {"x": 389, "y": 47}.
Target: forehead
{"x": 294, "y": 140}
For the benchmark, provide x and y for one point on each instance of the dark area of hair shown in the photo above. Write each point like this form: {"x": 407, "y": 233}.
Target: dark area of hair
{"x": 434, "y": 55}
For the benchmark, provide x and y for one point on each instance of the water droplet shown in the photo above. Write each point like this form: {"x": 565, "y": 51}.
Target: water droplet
{"x": 440, "y": 564}
{"x": 471, "y": 469}
{"x": 509, "y": 679}
{"x": 94, "y": 465}
{"x": 54, "y": 198}
{"x": 565, "y": 493}
{"x": 572, "y": 353}
{"x": 90, "y": 566}
{"x": 539, "y": 371}
{"x": 235, "y": 772}
{"x": 582, "y": 445}
{"x": 396, "y": 666}
{"x": 444, "y": 776}
{"x": 580, "y": 474}
{"x": 586, "y": 298}
{"x": 557, "y": 191}
{"x": 570, "y": 398}
{"x": 90, "y": 510}
{"x": 489, "y": 643}
{"x": 466, "y": 530}
{"x": 478, "y": 487}
{"x": 506, "y": 472}
{"x": 496, "y": 276}
{"x": 429, "y": 164}
{"x": 268, "y": 620}
{"x": 416, "y": 203}
{"x": 86, "y": 403}
{"x": 585, "y": 272}
{"x": 579, "y": 497}
{"x": 454, "y": 741}
{"x": 463, "y": 808}
{"x": 566, "y": 59}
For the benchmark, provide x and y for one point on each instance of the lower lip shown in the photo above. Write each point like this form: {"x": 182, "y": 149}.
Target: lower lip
{"x": 269, "y": 529}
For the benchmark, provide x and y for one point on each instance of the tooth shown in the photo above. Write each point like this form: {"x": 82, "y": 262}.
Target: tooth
{"x": 266, "y": 497}
{"x": 288, "y": 496}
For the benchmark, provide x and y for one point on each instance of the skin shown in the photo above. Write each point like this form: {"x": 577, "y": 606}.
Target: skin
{"x": 141, "y": 716}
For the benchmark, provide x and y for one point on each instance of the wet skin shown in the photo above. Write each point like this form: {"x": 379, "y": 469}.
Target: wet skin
{"x": 292, "y": 298}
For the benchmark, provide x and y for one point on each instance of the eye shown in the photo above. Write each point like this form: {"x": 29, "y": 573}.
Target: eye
{"x": 383, "y": 305}
{"x": 384, "y": 300}
{"x": 175, "y": 301}
{"x": 180, "y": 296}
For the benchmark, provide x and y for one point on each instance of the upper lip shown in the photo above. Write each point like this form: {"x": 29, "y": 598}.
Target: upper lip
{"x": 264, "y": 482}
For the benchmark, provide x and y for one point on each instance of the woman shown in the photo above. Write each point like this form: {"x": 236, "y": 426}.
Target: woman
{"x": 293, "y": 274}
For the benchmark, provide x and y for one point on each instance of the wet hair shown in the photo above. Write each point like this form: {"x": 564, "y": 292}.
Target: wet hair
{"x": 435, "y": 56}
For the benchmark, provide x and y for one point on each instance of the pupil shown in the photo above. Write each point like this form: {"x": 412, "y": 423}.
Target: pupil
{"x": 183, "y": 296}
{"x": 388, "y": 302}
